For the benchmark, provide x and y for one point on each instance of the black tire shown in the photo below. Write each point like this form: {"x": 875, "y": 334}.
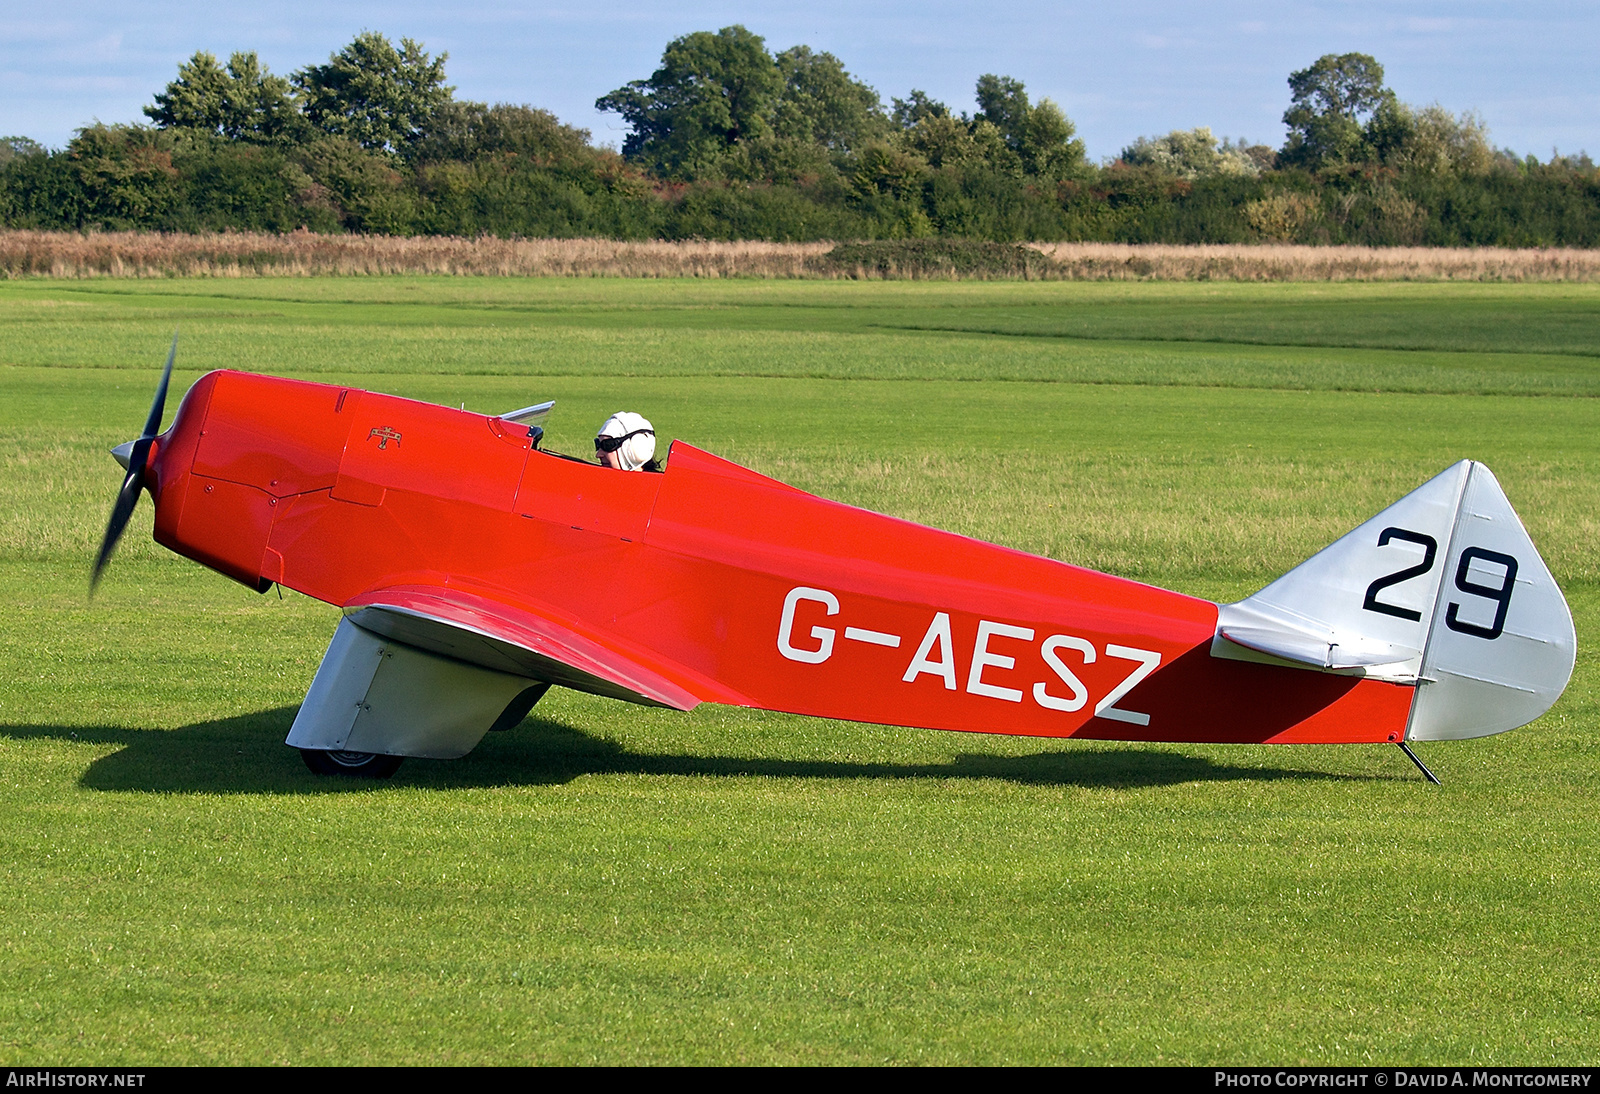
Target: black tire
{"x": 356, "y": 765}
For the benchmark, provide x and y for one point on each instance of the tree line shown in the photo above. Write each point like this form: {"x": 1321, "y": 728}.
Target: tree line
{"x": 727, "y": 140}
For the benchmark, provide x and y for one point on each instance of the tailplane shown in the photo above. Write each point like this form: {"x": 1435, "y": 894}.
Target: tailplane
{"x": 1442, "y": 590}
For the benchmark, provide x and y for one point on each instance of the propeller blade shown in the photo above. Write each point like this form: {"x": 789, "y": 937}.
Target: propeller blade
{"x": 133, "y": 456}
{"x": 127, "y": 498}
{"x": 152, "y": 424}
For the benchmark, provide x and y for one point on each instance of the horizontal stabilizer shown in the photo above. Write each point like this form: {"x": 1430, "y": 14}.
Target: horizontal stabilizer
{"x": 1325, "y": 650}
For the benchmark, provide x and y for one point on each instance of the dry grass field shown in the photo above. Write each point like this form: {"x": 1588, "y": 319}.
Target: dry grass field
{"x": 1285, "y": 262}
{"x": 246, "y": 254}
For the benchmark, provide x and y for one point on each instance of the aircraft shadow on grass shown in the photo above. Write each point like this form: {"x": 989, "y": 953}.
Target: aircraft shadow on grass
{"x": 246, "y": 755}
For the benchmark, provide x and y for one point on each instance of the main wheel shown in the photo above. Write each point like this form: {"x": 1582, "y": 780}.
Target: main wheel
{"x": 359, "y": 765}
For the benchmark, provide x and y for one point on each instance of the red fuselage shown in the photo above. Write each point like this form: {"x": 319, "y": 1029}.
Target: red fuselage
{"x": 734, "y": 586}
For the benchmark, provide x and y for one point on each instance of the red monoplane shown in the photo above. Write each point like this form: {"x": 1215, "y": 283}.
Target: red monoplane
{"x": 475, "y": 570}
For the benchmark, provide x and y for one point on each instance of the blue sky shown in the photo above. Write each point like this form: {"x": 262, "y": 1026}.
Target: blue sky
{"x": 1120, "y": 70}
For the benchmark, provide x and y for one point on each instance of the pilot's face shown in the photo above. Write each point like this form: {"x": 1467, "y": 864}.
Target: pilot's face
{"x": 610, "y": 459}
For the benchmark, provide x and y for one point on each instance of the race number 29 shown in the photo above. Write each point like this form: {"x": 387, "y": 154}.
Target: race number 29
{"x": 1476, "y": 563}
{"x": 1430, "y": 547}
{"x": 1501, "y": 596}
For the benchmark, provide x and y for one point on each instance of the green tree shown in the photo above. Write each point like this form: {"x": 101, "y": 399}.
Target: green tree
{"x": 785, "y": 161}
{"x": 468, "y": 131}
{"x": 1331, "y": 102}
{"x": 37, "y": 188}
{"x": 17, "y": 147}
{"x": 243, "y": 102}
{"x": 244, "y": 186}
{"x": 1051, "y": 148}
{"x": 943, "y": 140}
{"x": 1190, "y": 154}
{"x": 363, "y": 188}
{"x": 885, "y": 169}
{"x": 711, "y": 92}
{"x": 823, "y": 104}
{"x": 1040, "y": 135}
{"x": 124, "y": 174}
{"x": 1003, "y": 102}
{"x": 381, "y": 97}
{"x": 915, "y": 107}
{"x": 1429, "y": 141}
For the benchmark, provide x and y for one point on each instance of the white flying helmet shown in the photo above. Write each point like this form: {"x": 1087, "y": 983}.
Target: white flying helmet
{"x": 630, "y": 436}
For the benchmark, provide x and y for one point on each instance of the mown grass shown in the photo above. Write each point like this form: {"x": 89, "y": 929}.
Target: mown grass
{"x": 1468, "y": 338}
{"x": 608, "y": 883}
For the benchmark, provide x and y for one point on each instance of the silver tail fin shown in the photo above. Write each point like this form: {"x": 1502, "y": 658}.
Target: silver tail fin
{"x": 1443, "y": 590}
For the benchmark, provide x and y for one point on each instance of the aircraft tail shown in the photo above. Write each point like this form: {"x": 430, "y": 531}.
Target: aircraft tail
{"x": 1442, "y": 590}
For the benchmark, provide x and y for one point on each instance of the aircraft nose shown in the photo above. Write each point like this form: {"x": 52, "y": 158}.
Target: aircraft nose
{"x": 123, "y": 453}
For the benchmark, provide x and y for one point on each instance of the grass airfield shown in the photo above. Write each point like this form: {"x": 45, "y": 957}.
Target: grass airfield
{"x": 614, "y": 884}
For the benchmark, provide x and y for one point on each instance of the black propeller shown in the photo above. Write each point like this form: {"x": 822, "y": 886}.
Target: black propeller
{"x": 137, "y": 453}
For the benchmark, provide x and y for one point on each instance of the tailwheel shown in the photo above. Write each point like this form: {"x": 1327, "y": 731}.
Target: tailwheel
{"x": 358, "y": 765}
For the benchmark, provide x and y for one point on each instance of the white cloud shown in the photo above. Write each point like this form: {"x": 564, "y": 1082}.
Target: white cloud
{"x": 104, "y": 48}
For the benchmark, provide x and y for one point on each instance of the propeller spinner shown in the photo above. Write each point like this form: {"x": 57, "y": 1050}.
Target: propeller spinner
{"x": 133, "y": 455}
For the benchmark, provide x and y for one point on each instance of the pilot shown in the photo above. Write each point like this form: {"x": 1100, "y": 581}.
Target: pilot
{"x": 627, "y": 442}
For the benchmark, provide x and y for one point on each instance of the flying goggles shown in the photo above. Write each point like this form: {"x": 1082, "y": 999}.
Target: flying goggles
{"x": 611, "y": 444}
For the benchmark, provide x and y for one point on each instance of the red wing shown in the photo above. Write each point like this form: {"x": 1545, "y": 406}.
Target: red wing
{"x": 531, "y": 643}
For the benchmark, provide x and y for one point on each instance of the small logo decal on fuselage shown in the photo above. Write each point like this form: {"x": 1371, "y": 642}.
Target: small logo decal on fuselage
{"x": 385, "y": 435}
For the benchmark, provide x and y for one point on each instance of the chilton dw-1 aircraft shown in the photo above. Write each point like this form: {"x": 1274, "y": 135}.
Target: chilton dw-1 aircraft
{"x": 476, "y": 570}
